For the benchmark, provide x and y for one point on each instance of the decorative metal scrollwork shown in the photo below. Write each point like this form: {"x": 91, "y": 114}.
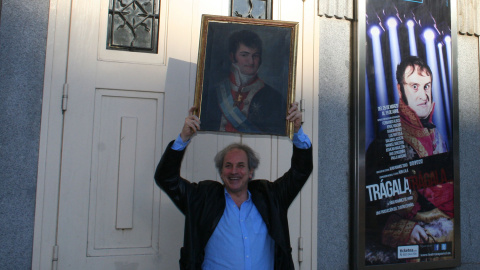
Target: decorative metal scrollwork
{"x": 133, "y": 25}
{"x": 259, "y": 9}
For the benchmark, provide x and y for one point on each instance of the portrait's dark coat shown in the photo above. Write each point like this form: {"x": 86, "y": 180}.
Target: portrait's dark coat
{"x": 266, "y": 113}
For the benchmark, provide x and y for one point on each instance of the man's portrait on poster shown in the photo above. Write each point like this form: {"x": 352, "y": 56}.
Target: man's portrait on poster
{"x": 245, "y": 75}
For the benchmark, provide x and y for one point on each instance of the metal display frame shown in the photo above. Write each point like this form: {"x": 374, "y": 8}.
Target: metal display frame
{"x": 359, "y": 180}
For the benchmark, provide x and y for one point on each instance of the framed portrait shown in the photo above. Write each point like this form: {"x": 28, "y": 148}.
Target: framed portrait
{"x": 407, "y": 188}
{"x": 246, "y": 75}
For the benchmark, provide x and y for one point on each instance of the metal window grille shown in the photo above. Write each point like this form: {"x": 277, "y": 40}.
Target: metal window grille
{"x": 133, "y": 25}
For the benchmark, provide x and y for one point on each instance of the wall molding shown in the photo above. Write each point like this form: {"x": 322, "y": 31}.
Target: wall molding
{"x": 339, "y": 9}
{"x": 468, "y": 12}
{"x": 468, "y": 17}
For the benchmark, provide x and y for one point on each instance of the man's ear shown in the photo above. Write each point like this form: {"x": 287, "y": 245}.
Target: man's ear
{"x": 250, "y": 174}
{"x": 232, "y": 58}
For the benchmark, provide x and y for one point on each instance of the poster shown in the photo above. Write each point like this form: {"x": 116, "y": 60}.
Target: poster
{"x": 410, "y": 180}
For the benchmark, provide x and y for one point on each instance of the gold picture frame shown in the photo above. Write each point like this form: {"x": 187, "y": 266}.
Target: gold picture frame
{"x": 246, "y": 71}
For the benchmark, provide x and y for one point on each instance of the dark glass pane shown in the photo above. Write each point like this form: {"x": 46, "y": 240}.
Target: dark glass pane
{"x": 259, "y": 9}
{"x": 133, "y": 25}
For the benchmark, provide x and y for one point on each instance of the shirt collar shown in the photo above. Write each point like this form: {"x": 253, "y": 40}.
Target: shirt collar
{"x": 227, "y": 195}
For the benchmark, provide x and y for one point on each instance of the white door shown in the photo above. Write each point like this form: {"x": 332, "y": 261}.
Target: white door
{"x": 122, "y": 110}
{"x": 111, "y": 214}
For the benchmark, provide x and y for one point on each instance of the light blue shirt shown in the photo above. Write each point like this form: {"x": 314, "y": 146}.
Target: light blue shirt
{"x": 300, "y": 140}
{"x": 240, "y": 240}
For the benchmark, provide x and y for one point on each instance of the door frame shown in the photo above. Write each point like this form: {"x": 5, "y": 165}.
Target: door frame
{"x": 50, "y": 150}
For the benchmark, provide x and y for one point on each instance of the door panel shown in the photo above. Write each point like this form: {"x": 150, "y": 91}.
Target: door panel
{"x": 124, "y": 207}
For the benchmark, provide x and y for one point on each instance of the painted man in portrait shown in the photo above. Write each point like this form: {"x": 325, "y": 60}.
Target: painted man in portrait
{"x": 243, "y": 102}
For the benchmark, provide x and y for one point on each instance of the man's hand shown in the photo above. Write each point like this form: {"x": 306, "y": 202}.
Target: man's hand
{"x": 191, "y": 126}
{"x": 295, "y": 116}
{"x": 418, "y": 235}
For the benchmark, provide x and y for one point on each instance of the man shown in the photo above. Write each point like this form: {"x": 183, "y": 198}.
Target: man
{"x": 416, "y": 107}
{"x": 241, "y": 224}
{"x": 243, "y": 102}
{"x": 421, "y": 139}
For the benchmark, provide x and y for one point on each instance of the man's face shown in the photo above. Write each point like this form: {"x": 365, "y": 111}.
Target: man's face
{"x": 418, "y": 91}
{"x": 247, "y": 59}
{"x": 235, "y": 173}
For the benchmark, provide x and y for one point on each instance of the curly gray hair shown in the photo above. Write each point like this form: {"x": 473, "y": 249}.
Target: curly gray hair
{"x": 252, "y": 157}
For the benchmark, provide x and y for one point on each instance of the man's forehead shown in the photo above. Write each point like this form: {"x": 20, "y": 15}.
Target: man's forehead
{"x": 410, "y": 72}
{"x": 235, "y": 154}
{"x": 243, "y": 47}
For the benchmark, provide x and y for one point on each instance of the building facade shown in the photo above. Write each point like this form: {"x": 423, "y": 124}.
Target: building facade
{"x": 26, "y": 37}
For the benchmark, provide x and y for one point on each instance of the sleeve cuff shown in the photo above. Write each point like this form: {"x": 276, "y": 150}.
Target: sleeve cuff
{"x": 179, "y": 144}
{"x": 301, "y": 140}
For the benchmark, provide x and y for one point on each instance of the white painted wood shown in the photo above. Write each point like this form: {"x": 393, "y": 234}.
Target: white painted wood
{"x": 126, "y": 173}
{"x": 50, "y": 136}
{"x": 106, "y": 87}
{"x": 293, "y": 11}
{"x": 123, "y": 197}
{"x": 310, "y": 87}
{"x": 102, "y": 184}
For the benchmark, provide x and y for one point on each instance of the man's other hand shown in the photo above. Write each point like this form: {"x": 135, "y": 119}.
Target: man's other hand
{"x": 295, "y": 116}
{"x": 191, "y": 125}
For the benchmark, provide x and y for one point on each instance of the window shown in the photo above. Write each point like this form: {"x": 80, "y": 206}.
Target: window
{"x": 133, "y": 25}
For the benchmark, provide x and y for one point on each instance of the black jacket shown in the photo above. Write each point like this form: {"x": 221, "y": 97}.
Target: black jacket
{"x": 203, "y": 204}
